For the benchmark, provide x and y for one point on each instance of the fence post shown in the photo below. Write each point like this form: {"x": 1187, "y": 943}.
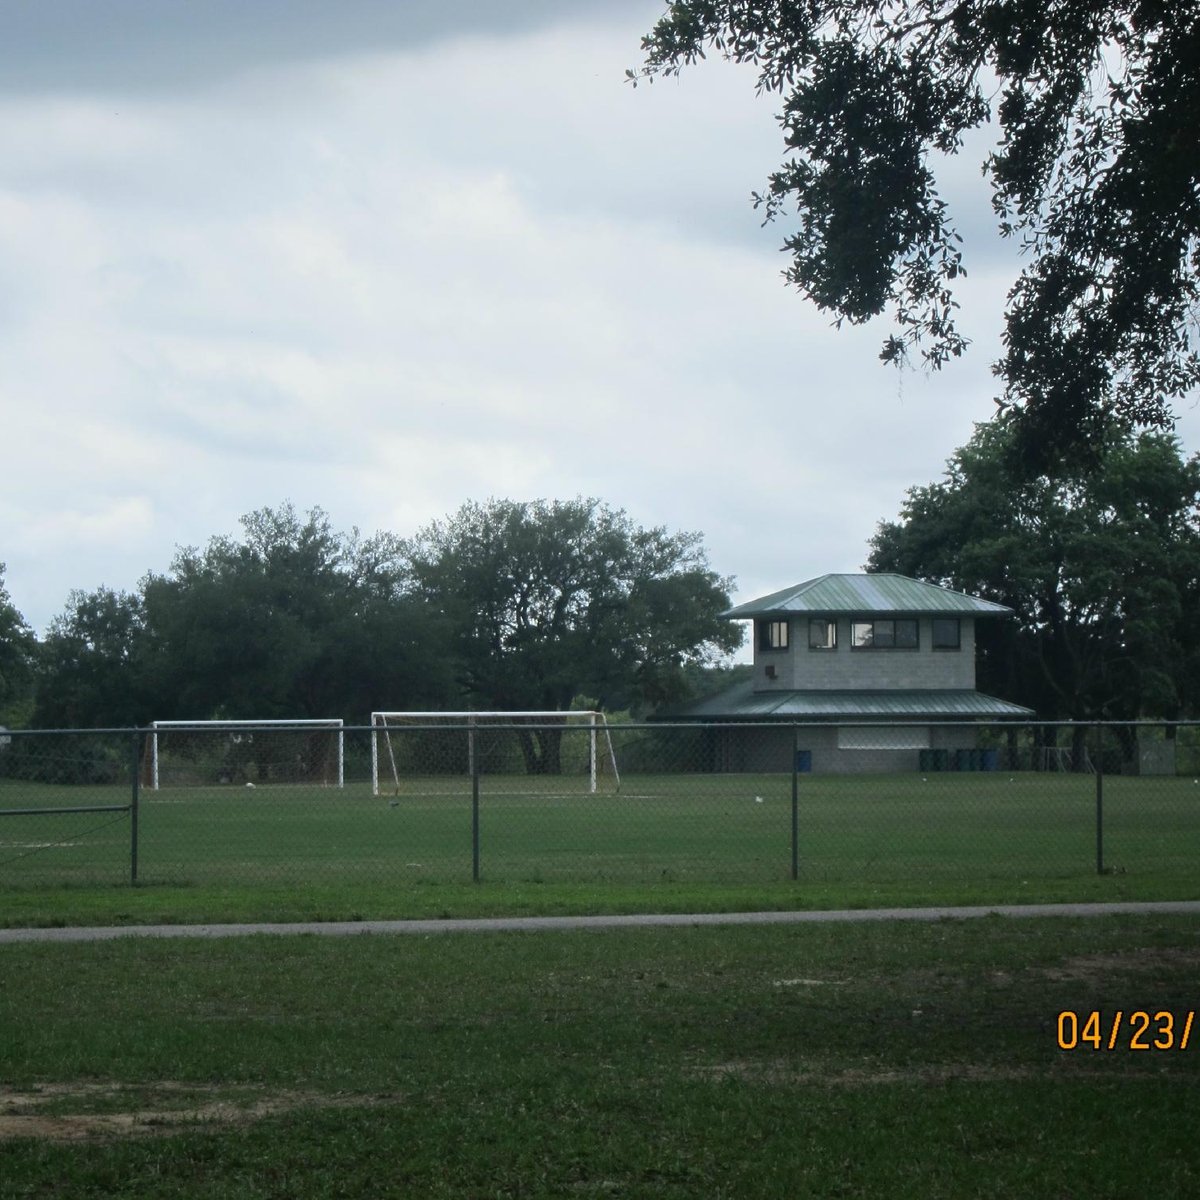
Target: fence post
{"x": 1099, "y": 799}
{"x": 795, "y": 804}
{"x": 135, "y": 776}
{"x": 474, "y": 803}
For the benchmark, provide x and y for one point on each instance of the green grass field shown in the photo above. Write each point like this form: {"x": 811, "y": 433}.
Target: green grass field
{"x": 871, "y": 1060}
{"x": 718, "y": 839}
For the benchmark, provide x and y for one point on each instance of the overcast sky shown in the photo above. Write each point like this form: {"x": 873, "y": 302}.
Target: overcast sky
{"x": 383, "y": 257}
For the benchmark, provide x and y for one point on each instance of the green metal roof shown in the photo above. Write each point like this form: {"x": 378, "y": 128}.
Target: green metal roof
{"x": 743, "y": 703}
{"x": 867, "y": 593}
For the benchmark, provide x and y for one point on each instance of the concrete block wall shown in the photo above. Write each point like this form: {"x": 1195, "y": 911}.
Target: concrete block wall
{"x": 767, "y": 749}
{"x": 844, "y": 668}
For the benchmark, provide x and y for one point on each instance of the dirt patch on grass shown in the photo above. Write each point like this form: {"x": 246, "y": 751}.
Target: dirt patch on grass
{"x": 1096, "y": 968}
{"x": 86, "y": 1111}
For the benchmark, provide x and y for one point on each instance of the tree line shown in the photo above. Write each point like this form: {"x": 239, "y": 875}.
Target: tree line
{"x": 504, "y": 605}
{"x": 509, "y": 605}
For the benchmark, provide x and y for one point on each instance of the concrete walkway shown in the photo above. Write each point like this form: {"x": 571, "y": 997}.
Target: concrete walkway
{"x": 636, "y": 921}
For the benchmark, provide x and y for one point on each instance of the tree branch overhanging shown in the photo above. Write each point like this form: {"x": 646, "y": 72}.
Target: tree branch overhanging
{"x": 1096, "y": 172}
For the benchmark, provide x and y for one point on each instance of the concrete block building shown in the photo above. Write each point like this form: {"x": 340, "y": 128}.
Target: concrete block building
{"x": 880, "y": 668}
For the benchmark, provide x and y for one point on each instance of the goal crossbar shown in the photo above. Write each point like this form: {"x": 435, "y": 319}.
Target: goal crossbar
{"x": 242, "y": 725}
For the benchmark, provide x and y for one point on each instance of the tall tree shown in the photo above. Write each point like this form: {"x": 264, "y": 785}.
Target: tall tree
{"x": 293, "y": 620}
{"x": 551, "y": 600}
{"x": 1101, "y": 567}
{"x": 17, "y": 648}
{"x": 1097, "y": 107}
{"x": 89, "y": 671}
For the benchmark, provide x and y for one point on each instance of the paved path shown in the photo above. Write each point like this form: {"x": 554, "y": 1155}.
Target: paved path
{"x": 637, "y": 921}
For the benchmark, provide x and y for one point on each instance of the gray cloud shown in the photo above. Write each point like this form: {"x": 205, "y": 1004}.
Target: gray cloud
{"x": 129, "y": 46}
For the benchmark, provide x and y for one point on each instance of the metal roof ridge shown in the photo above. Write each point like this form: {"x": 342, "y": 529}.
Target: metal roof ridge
{"x": 864, "y": 584}
{"x": 799, "y": 589}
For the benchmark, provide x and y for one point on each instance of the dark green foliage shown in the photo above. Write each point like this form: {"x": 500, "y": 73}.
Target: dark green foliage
{"x": 701, "y": 680}
{"x": 1101, "y": 566}
{"x": 17, "y": 647}
{"x": 1097, "y": 108}
{"x": 91, "y": 666}
{"x": 505, "y": 605}
{"x": 294, "y": 620}
{"x": 552, "y": 600}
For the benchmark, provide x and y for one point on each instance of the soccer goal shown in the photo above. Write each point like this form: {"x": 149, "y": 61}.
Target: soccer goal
{"x": 209, "y": 753}
{"x": 1063, "y": 758}
{"x": 562, "y": 751}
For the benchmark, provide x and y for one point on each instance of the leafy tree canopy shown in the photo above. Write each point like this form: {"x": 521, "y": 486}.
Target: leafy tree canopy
{"x": 293, "y": 620}
{"x": 1101, "y": 567}
{"x": 89, "y": 664}
{"x": 17, "y": 648}
{"x": 549, "y": 600}
{"x": 504, "y": 605}
{"x": 1096, "y": 171}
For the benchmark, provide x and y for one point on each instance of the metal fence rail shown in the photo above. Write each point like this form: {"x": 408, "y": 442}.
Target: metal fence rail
{"x": 540, "y": 801}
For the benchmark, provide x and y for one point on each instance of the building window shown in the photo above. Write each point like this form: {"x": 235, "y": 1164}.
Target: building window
{"x": 900, "y": 634}
{"x": 772, "y": 635}
{"x": 947, "y": 633}
{"x": 822, "y": 634}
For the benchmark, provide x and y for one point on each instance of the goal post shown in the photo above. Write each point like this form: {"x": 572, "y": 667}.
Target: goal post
{"x": 304, "y": 750}
{"x": 1065, "y": 759}
{"x": 571, "y": 746}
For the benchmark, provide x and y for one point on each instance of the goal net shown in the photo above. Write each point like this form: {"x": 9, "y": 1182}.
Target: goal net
{"x": 1062, "y": 758}
{"x": 210, "y": 753}
{"x": 570, "y": 752}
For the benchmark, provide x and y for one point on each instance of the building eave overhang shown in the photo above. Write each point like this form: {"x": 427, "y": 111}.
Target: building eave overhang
{"x": 742, "y": 703}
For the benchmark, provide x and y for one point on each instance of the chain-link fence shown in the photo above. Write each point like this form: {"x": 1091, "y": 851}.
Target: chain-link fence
{"x": 557, "y": 801}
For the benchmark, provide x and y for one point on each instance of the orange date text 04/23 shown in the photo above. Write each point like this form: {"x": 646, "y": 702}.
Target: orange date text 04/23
{"x": 1138, "y": 1029}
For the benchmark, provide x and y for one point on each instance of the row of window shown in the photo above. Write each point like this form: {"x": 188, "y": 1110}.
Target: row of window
{"x": 899, "y": 633}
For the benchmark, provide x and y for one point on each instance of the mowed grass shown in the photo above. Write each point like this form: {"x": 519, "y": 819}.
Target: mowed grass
{"x": 669, "y": 842}
{"x": 851, "y": 1060}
